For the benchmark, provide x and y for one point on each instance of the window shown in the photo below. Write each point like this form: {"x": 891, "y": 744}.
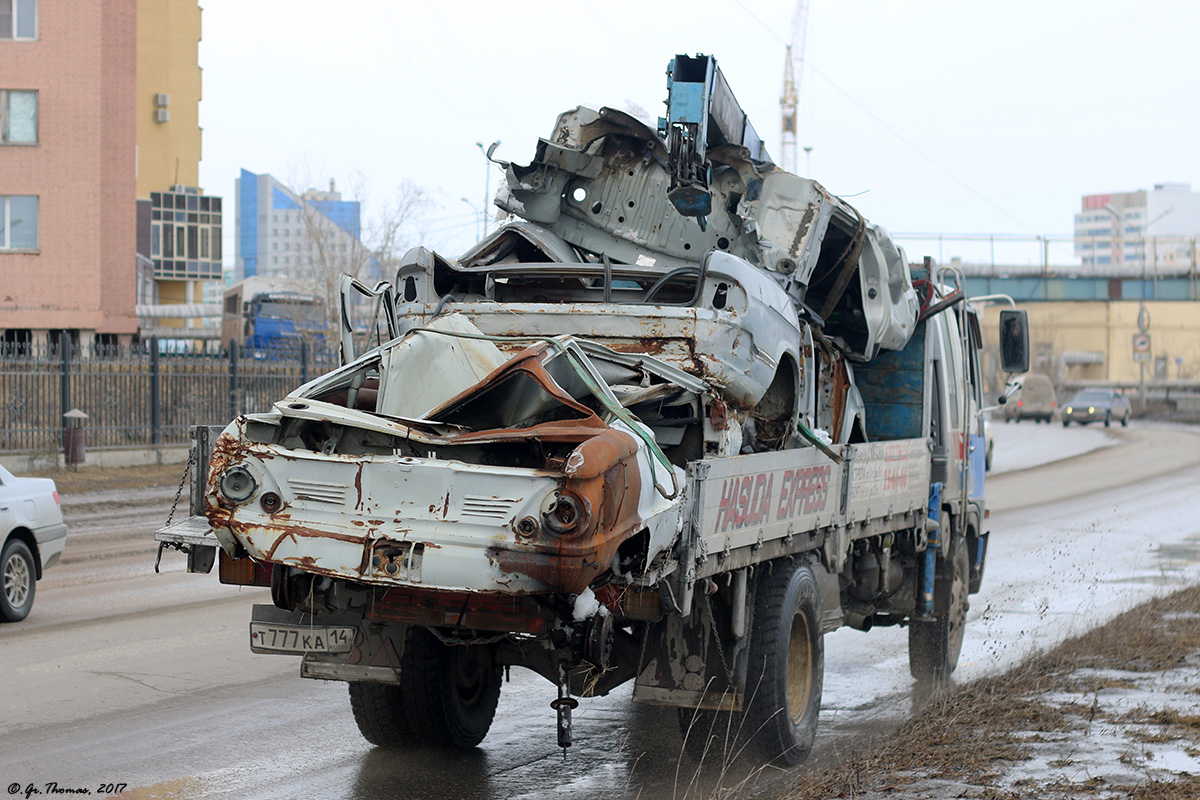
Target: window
{"x": 18, "y": 19}
{"x": 18, "y": 115}
{"x": 18, "y": 221}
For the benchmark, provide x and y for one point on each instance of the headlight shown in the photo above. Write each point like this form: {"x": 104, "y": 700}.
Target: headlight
{"x": 238, "y": 485}
{"x": 564, "y": 514}
{"x": 1091, "y": 409}
{"x": 1069, "y": 409}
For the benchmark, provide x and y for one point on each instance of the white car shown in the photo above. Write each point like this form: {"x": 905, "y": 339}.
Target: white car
{"x": 33, "y": 536}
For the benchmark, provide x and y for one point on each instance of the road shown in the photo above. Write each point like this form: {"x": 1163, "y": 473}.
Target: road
{"x": 124, "y": 676}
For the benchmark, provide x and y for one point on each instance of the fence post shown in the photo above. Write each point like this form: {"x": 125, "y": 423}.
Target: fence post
{"x": 233, "y": 379}
{"x": 155, "y": 393}
{"x": 303, "y": 362}
{"x": 64, "y": 354}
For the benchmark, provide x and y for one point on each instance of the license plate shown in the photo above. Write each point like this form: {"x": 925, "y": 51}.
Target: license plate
{"x": 299, "y": 639}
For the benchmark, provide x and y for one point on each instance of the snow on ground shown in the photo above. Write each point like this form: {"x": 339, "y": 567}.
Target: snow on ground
{"x": 1053, "y": 571}
{"x": 1023, "y": 445}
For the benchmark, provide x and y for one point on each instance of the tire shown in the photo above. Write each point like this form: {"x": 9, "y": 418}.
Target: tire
{"x": 987, "y": 459}
{"x": 1108, "y": 419}
{"x": 1125, "y": 420}
{"x": 446, "y": 698}
{"x": 786, "y": 663}
{"x": 1066, "y": 423}
{"x": 18, "y": 581}
{"x": 934, "y": 647}
{"x": 379, "y": 713}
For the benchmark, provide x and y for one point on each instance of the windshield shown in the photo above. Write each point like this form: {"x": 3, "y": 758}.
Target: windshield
{"x": 294, "y": 310}
{"x": 1093, "y": 396}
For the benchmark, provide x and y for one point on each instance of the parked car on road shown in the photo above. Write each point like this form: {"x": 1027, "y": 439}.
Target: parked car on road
{"x": 33, "y": 536}
{"x": 1034, "y": 399}
{"x": 1093, "y": 405}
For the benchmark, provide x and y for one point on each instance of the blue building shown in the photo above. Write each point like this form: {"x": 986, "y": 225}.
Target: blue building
{"x": 313, "y": 237}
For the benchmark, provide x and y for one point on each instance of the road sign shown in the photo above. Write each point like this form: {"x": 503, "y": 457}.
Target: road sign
{"x": 1141, "y": 347}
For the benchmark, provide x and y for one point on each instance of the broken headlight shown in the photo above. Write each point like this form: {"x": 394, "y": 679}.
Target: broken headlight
{"x": 564, "y": 514}
{"x": 238, "y": 485}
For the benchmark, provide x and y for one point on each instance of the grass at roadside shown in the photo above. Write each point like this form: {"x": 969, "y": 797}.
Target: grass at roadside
{"x": 93, "y": 479}
{"x": 1112, "y": 713}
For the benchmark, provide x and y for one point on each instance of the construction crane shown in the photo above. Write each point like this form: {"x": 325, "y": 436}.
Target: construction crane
{"x": 793, "y": 69}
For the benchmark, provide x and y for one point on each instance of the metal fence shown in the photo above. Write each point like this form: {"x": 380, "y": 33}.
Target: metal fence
{"x": 137, "y": 397}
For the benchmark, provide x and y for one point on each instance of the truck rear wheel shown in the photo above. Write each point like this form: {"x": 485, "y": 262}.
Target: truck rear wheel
{"x": 787, "y": 663}
{"x": 934, "y": 647}
{"x": 447, "y": 697}
{"x": 379, "y": 713}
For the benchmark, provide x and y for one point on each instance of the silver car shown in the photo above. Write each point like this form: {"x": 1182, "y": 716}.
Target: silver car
{"x": 33, "y": 535}
{"x": 1095, "y": 405}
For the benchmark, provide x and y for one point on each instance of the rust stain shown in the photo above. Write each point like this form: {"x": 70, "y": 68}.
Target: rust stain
{"x": 841, "y": 386}
{"x": 603, "y": 477}
{"x": 358, "y": 486}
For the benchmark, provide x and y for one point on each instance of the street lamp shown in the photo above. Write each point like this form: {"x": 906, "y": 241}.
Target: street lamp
{"x": 808, "y": 161}
{"x": 487, "y": 177}
{"x": 1145, "y": 231}
{"x": 478, "y": 215}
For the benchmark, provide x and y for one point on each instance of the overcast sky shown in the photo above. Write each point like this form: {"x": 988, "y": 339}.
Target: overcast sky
{"x": 928, "y": 115}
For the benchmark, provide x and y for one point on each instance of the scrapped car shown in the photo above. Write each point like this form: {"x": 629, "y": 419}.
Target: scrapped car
{"x": 33, "y": 535}
{"x": 513, "y": 481}
{"x": 1094, "y": 405}
{"x": 1034, "y": 399}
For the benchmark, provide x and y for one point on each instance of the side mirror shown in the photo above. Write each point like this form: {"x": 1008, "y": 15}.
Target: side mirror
{"x": 1014, "y": 341}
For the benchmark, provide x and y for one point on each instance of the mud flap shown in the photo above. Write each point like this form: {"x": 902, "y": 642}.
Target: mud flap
{"x": 687, "y": 663}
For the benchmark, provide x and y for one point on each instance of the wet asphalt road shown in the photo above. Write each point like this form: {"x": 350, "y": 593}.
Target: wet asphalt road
{"x": 124, "y": 676}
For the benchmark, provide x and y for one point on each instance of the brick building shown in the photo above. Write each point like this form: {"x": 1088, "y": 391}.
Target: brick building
{"x": 68, "y": 78}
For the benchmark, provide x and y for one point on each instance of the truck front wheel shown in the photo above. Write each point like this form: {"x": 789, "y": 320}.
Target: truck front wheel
{"x": 787, "y": 663}
{"x": 447, "y": 697}
{"x": 934, "y": 646}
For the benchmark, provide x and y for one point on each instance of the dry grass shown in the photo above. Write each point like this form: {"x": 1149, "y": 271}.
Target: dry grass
{"x": 969, "y": 733}
{"x": 92, "y": 479}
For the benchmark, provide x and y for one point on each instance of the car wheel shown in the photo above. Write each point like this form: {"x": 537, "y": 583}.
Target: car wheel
{"x": 1066, "y": 423}
{"x": 1108, "y": 419}
{"x": 19, "y": 575}
{"x": 1125, "y": 420}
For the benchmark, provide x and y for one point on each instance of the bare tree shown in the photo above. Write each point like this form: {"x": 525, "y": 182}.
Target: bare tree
{"x": 329, "y": 250}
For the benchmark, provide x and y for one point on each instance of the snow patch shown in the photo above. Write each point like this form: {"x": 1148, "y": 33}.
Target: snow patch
{"x": 586, "y": 605}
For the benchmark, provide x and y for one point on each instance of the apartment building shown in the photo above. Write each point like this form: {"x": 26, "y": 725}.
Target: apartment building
{"x": 68, "y": 83}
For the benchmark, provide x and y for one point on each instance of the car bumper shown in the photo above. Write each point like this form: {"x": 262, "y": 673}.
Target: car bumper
{"x": 51, "y": 540}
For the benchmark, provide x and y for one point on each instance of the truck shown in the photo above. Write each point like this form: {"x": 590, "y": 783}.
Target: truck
{"x": 680, "y": 416}
{"x": 264, "y": 315}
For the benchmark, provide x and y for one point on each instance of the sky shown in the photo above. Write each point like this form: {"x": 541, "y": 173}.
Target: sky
{"x": 939, "y": 116}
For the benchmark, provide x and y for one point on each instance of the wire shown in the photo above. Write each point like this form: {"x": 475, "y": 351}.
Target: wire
{"x": 919, "y": 151}
{"x": 889, "y": 128}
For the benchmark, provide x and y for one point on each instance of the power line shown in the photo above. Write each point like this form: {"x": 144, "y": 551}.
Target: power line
{"x": 887, "y": 127}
